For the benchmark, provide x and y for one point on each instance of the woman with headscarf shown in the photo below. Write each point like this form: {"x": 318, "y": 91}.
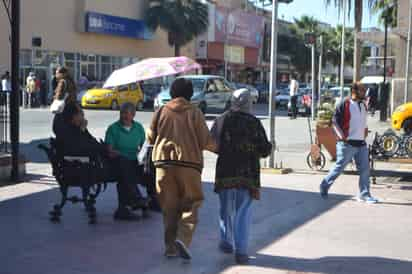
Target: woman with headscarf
{"x": 242, "y": 141}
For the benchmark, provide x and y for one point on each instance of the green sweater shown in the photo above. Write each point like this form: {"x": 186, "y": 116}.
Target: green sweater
{"x": 127, "y": 142}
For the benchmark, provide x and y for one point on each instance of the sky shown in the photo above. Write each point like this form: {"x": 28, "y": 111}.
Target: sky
{"x": 318, "y": 9}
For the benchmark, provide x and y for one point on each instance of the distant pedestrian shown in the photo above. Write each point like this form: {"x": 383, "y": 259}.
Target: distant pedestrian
{"x": 66, "y": 87}
{"x": 293, "y": 92}
{"x": 372, "y": 96}
{"x": 83, "y": 82}
{"x": 66, "y": 90}
{"x": 5, "y": 82}
{"x": 43, "y": 92}
{"x": 5, "y": 88}
{"x": 179, "y": 134}
{"x": 31, "y": 89}
{"x": 242, "y": 141}
{"x": 350, "y": 125}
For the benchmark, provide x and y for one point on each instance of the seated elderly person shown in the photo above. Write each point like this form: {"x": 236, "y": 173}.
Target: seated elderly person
{"x": 124, "y": 139}
{"x": 72, "y": 136}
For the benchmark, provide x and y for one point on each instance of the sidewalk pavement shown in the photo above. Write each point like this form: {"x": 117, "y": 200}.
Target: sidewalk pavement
{"x": 293, "y": 231}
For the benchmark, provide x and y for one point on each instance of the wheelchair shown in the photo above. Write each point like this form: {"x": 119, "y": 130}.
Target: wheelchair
{"x": 87, "y": 173}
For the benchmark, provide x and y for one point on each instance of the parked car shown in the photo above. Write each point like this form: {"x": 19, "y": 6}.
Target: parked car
{"x": 150, "y": 91}
{"x": 402, "y": 118}
{"x": 336, "y": 93}
{"x": 91, "y": 85}
{"x": 210, "y": 93}
{"x": 282, "y": 98}
{"x": 113, "y": 98}
{"x": 253, "y": 91}
{"x": 80, "y": 95}
{"x": 263, "y": 90}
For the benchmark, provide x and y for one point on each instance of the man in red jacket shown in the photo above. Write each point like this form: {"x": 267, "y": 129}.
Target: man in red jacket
{"x": 350, "y": 126}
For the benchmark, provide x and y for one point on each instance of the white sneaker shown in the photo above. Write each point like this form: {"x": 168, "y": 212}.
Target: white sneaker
{"x": 368, "y": 200}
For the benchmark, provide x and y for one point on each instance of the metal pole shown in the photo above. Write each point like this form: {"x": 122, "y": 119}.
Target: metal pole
{"x": 385, "y": 51}
{"x": 225, "y": 46}
{"x": 320, "y": 69}
{"x": 273, "y": 78}
{"x": 384, "y": 88}
{"x": 408, "y": 55}
{"x": 342, "y": 60}
{"x": 14, "y": 100}
{"x": 313, "y": 80}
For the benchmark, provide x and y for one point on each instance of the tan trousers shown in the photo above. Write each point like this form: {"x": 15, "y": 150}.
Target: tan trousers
{"x": 180, "y": 195}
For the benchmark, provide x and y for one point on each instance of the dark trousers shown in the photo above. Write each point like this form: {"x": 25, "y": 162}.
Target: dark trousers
{"x": 293, "y": 105}
{"x": 127, "y": 174}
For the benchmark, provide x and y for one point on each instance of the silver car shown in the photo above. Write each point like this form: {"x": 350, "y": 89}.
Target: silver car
{"x": 210, "y": 93}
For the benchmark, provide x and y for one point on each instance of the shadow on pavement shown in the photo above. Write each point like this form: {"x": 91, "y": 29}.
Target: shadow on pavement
{"x": 32, "y": 153}
{"x": 31, "y": 244}
{"x": 334, "y": 265}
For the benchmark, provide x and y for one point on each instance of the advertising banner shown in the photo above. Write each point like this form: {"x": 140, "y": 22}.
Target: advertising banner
{"x": 238, "y": 28}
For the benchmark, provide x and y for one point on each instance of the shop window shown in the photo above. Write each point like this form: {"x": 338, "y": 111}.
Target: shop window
{"x": 106, "y": 71}
{"x": 25, "y": 57}
{"x": 84, "y": 57}
{"x": 105, "y": 59}
{"x": 92, "y": 58}
{"x": 70, "y": 66}
{"x": 91, "y": 72}
{"x": 69, "y": 56}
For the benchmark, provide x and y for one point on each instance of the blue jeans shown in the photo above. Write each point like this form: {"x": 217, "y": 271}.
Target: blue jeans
{"x": 344, "y": 155}
{"x": 235, "y": 218}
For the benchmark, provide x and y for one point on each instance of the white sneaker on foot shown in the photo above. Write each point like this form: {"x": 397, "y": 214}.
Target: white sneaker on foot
{"x": 367, "y": 199}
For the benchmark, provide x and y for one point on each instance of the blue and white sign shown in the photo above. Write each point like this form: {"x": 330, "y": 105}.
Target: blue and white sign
{"x": 118, "y": 26}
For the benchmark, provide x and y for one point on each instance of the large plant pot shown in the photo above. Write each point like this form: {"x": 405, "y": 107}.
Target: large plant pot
{"x": 326, "y": 137}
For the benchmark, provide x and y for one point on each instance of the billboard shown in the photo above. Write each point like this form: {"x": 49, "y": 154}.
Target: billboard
{"x": 238, "y": 28}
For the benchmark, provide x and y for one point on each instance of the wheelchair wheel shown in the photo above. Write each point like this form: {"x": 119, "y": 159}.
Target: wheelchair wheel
{"x": 316, "y": 164}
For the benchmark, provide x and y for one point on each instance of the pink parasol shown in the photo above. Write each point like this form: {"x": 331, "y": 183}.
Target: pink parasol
{"x": 149, "y": 69}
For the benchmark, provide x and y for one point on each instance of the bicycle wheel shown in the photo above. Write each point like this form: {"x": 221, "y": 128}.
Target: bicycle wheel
{"x": 316, "y": 164}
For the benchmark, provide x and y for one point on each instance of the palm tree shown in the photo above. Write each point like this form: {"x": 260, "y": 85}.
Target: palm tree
{"x": 357, "y": 6}
{"x": 305, "y": 24}
{"x": 183, "y": 20}
{"x": 300, "y": 53}
{"x": 387, "y": 9}
{"x": 332, "y": 45}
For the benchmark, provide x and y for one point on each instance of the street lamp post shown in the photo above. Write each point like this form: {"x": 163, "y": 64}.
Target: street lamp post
{"x": 320, "y": 69}
{"x": 384, "y": 87}
{"x": 273, "y": 76}
{"x": 408, "y": 54}
{"x": 15, "y": 94}
{"x": 313, "y": 80}
{"x": 342, "y": 60}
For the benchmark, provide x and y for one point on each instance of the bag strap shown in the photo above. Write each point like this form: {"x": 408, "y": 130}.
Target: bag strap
{"x": 156, "y": 124}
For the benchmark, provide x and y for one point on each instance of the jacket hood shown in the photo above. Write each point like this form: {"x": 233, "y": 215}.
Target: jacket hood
{"x": 179, "y": 105}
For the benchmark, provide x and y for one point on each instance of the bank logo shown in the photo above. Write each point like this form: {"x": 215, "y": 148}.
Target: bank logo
{"x": 96, "y": 22}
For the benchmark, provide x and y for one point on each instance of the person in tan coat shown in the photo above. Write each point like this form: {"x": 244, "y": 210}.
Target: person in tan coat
{"x": 179, "y": 135}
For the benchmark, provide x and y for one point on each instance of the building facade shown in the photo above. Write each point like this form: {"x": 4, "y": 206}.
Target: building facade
{"x": 237, "y": 44}
{"x": 90, "y": 37}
